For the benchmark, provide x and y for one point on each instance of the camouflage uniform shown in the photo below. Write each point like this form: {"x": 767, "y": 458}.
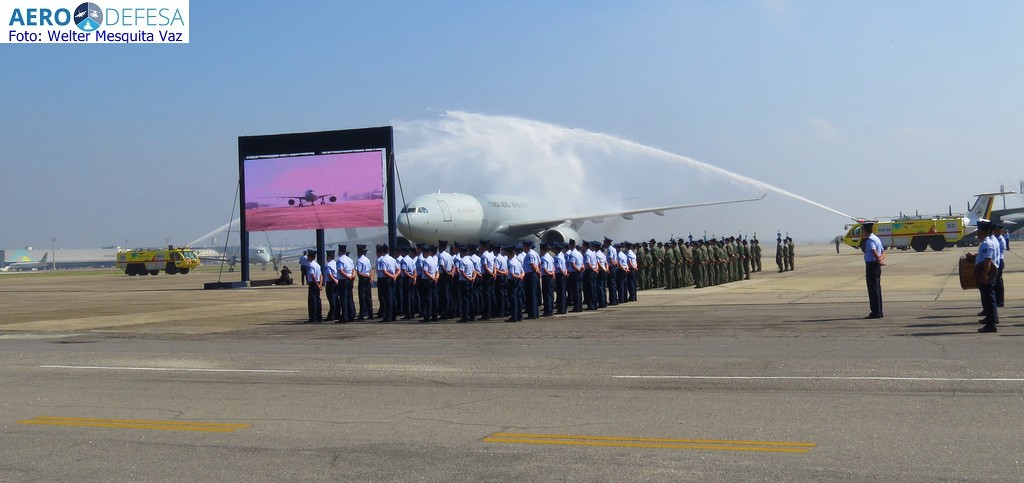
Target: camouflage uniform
{"x": 756, "y": 254}
{"x": 657, "y": 265}
{"x": 687, "y": 265}
{"x": 698, "y": 265}
{"x": 745, "y": 254}
{"x": 789, "y": 254}
{"x": 779, "y": 249}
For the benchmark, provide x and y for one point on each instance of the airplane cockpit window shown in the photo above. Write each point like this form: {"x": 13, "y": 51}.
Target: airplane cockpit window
{"x": 410, "y": 209}
{"x": 421, "y": 210}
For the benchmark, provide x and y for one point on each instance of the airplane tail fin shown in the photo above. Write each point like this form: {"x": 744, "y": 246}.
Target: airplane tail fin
{"x": 982, "y": 208}
{"x": 43, "y": 260}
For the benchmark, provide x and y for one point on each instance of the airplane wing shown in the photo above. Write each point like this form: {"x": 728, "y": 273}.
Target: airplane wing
{"x": 528, "y": 227}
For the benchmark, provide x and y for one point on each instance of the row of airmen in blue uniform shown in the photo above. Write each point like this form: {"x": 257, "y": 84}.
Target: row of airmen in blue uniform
{"x": 475, "y": 280}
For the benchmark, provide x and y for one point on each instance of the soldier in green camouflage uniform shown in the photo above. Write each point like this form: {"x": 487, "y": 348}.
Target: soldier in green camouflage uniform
{"x": 756, "y": 254}
{"x": 670, "y": 265}
{"x": 729, "y": 257}
{"x": 705, "y": 261}
{"x": 698, "y": 265}
{"x": 790, "y": 254}
{"x": 677, "y": 272}
{"x": 687, "y": 265}
{"x": 745, "y": 254}
{"x": 641, "y": 267}
{"x": 657, "y": 264}
{"x": 778, "y": 254}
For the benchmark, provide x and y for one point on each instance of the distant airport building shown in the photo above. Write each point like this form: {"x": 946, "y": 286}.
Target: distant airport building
{"x": 63, "y": 258}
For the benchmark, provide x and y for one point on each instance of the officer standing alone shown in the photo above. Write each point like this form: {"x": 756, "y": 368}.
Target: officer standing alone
{"x": 874, "y": 259}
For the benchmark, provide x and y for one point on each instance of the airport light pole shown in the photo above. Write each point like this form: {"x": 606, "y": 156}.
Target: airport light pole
{"x": 53, "y": 248}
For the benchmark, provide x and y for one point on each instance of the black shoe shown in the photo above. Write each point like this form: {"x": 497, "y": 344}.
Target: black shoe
{"x": 873, "y": 316}
{"x": 510, "y": 319}
{"x": 988, "y": 328}
{"x": 999, "y": 305}
{"x": 360, "y": 319}
{"x": 988, "y": 322}
{"x": 982, "y": 313}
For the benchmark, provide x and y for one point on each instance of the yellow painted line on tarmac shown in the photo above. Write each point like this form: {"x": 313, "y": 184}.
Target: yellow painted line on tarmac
{"x": 665, "y": 443}
{"x": 137, "y": 424}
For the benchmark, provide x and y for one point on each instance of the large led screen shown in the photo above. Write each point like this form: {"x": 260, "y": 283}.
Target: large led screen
{"x": 343, "y": 190}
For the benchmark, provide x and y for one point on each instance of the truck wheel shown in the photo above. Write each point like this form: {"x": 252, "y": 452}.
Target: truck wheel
{"x": 183, "y": 271}
{"x": 129, "y": 270}
{"x": 154, "y": 272}
{"x": 140, "y": 269}
{"x": 171, "y": 269}
{"x": 919, "y": 243}
{"x": 938, "y": 243}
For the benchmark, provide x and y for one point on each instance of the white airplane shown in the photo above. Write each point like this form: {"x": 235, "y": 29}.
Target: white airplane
{"x": 311, "y": 197}
{"x": 504, "y": 219}
{"x": 257, "y": 254}
{"x": 29, "y": 265}
{"x": 80, "y": 14}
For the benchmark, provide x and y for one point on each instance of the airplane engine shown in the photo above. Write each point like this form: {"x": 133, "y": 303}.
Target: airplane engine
{"x": 560, "y": 234}
{"x": 333, "y": 199}
{"x": 291, "y": 202}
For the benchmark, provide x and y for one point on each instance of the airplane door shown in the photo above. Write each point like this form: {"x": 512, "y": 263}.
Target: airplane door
{"x": 445, "y": 211}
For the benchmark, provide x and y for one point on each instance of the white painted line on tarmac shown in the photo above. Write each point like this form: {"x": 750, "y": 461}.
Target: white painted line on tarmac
{"x": 836, "y": 378}
{"x": 178, "y": 369}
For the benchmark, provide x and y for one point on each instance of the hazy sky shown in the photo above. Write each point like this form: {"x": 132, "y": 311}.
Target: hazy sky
{"x": 870, "y": 108}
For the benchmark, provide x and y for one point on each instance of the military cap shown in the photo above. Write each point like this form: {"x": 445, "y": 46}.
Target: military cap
{"x": 608, "y": 239}
{"x": 472, "y": 247}
{"x": 485, "y": 243}
{"x": 984, "y": 223}
{"x": 330, "y": 253}
{"x": 342, "y": 248}
{"x": 519, "y": 245}
{"x": 527, "y": 243}
{"x": 442, "y": 243}
{"x": 997, "y": 225}
{"x": 360, "y": 247}
{"x": 543, "y": 245}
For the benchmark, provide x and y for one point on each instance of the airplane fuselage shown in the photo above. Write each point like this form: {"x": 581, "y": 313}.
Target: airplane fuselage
{"x": 461, "y": 217}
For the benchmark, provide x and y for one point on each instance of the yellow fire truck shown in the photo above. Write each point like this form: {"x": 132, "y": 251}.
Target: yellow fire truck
{"x": 912, "y": 232}
{"x": 150, "y": 261}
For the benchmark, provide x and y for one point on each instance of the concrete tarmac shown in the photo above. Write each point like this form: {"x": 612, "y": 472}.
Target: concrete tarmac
{"x": 109, "y": 377}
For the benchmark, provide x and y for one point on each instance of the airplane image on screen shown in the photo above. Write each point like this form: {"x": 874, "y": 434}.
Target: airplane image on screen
{"x": 310, "y": 197}
{"x": 504, "y": 219}
{"x": 28, "y": 265}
